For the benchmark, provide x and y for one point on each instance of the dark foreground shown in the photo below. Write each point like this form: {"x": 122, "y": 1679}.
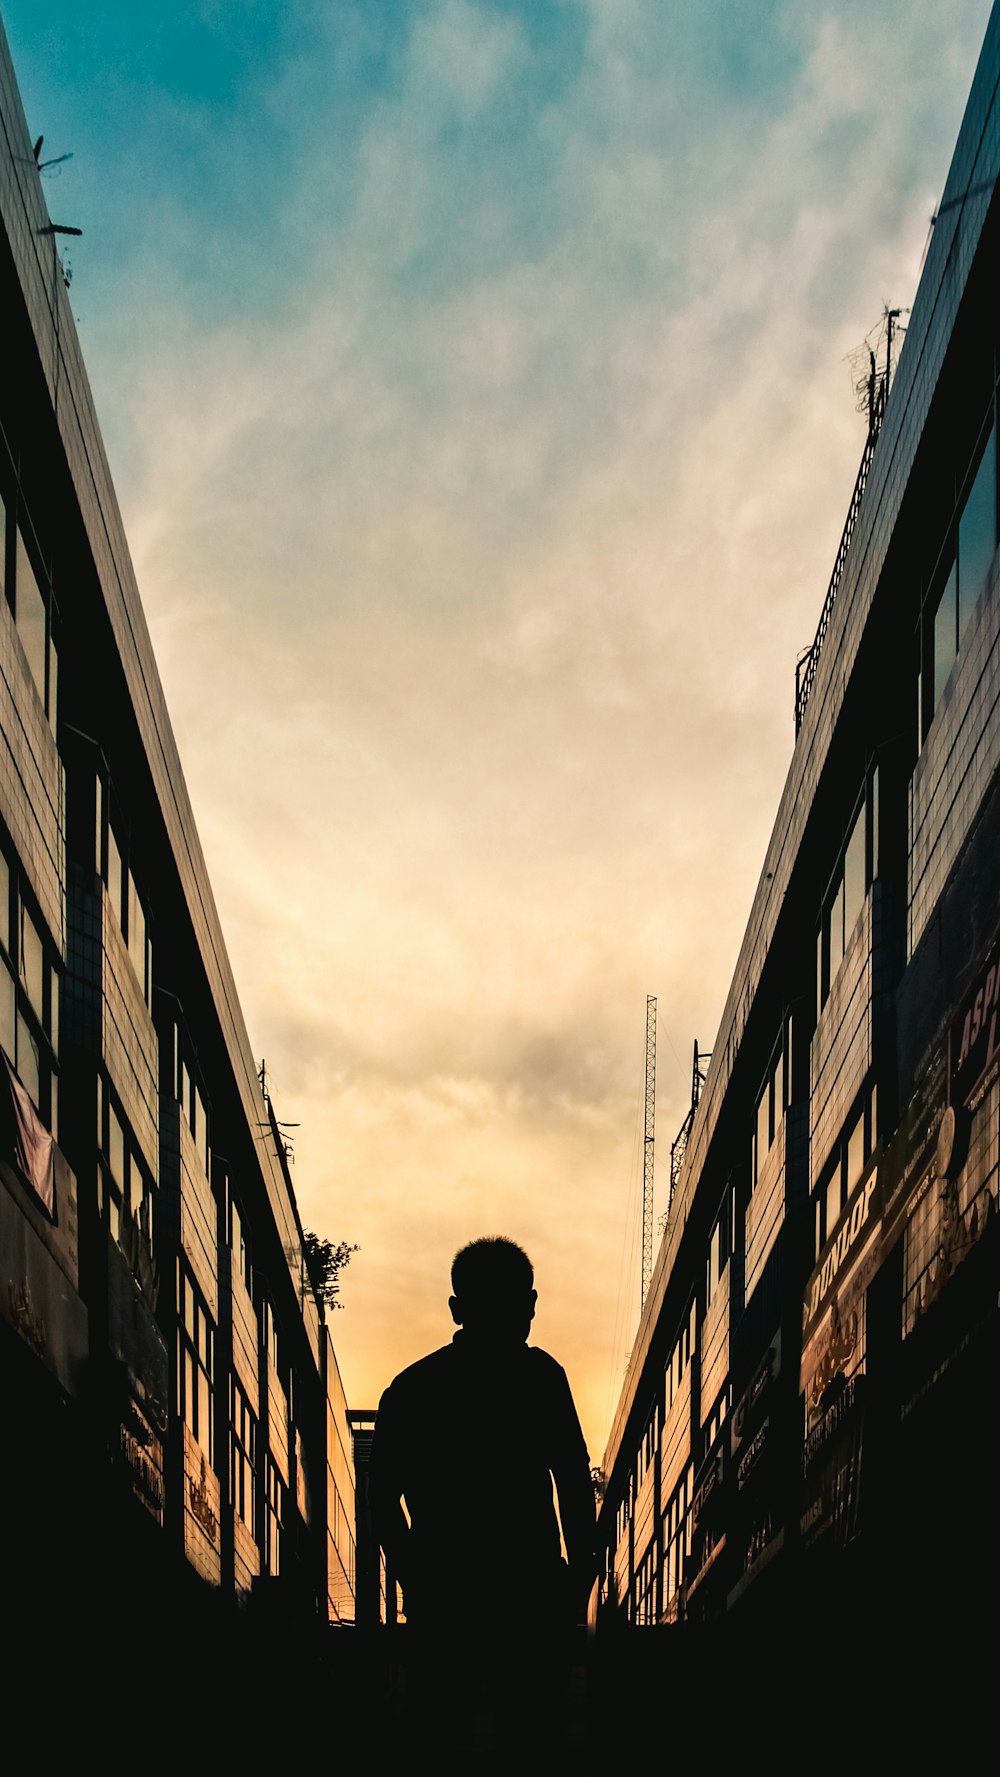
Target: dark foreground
{"x": 875, "y": 1694}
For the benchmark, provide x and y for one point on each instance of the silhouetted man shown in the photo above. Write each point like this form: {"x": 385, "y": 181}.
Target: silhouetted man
{"x": 472, "y": 1439}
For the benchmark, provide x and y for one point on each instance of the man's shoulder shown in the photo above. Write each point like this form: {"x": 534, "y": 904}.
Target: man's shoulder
{"x": 546, "y": 1370}
{"x": 418, "y": 1377}
{"x": 543, "y": 1360}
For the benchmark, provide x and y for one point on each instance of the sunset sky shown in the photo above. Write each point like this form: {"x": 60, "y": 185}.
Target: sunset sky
{"x": 475, "y": 380}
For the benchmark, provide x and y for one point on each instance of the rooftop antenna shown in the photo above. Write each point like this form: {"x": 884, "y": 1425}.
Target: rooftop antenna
{"x": 272, "y": 1122}
{"x": 647, "y": 1141}
{"x": 56, "y": 160}
{"x": 678, "y": 1148}
{"x": 872, "y": 378}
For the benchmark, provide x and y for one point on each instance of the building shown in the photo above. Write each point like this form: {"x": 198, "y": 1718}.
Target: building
{"x": 375, "y": 1595}
{"x": 803, "y": 1456}
{"x": 177, "y": 1427}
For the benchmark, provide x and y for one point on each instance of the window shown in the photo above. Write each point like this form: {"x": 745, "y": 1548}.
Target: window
{"x": 647, "y": 1449}
{"x": 243, "y": 1453}
{"x": 681, "y": 1355}
{"x": 852, "y": 1152}
{"x": 199, "y": 1123}
{"x": 274, "y": 1518}
{"x": 178, "y": 1067}
{"x": 718, "y": 1416}
{"x": 771, "y": 1104}
{"x": 113, "y": 875}
{"x": 269, "y": 1332}
{"x": 676, "y": 1546}
{"x": 125, "y": 1183}
{"x": 135, "y": 933}
{"x": 30, "y": 613}
{"x": 195, "y": 1362}
{"x": 643, "y": 1599}
{"x": 98, "y": 823}
{"x": 956, "y": 589}
{"x": 29, "y": 596}
{"x": 856, "y": 869}
{"x": 32, "y": 963}
{"x": 719, "y": 1249}
{"x": 124, "y": 898}
{"x": 238, "y": 1246}
{"x": 29, "y": 995}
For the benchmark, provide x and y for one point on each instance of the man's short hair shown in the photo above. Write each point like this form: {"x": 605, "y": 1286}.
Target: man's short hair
{"x": 491, "y": 1266}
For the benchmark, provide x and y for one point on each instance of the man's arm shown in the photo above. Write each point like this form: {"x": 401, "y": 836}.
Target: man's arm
{"x": 385, "y": 1488}
{"x": 575, "y": 1492}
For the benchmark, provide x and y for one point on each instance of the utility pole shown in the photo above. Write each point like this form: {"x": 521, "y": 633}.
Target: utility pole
{"x": 647, "y": 1143}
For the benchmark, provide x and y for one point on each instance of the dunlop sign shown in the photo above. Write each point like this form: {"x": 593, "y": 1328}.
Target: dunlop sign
{"x": 863, "y": 1208}
{"x": 973, "y": 1047}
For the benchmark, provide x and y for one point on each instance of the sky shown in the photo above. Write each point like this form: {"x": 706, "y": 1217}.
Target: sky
{"x": 475, "y": 377}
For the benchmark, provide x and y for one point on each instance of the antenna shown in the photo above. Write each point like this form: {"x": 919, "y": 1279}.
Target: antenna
{"x": 647, "y": 1140}
{"x": 872, "y": 379}
{"x": 272, "y": 1122}
{"x": 54, "y": 161}
{"x": 678, "y": 1148}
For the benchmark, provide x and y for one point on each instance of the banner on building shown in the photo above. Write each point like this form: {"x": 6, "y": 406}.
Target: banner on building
{"x": 24, "y": 1139}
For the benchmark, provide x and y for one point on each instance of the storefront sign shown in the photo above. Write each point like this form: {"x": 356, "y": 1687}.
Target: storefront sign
{"x": 753, "y": 1453}
{"x": 974, "y": 1045}
{"x": 834, "y": 1338}
{"x": 833, "y": 1493}
{"x": 202, "y": 1503}
{"x": 763, "y": 1542}
{"x": 863, "y": 1210}
{"x": 142, "y": 1453}
{"x": 840, "y": 1410}
{"x": 919, "y": 1128}
{"x": 36, "y": 1298}
{"x": 756, "y": 1392}
{"x": 712, "y": 1551}
{"x": 709, "y": 1479}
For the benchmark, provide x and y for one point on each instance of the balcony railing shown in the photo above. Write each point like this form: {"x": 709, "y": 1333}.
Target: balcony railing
{"x": 806, "y": 667}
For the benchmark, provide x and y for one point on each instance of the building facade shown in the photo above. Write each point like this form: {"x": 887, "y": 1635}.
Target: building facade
{"x": 805, "y": 1436}
{"x": 177, "y": 1427}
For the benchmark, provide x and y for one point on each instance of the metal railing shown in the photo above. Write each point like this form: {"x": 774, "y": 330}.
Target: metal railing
{"x": 806, "y": 667}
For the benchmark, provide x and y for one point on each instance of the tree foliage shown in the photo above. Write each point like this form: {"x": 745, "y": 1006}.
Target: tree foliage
{"x": 324, "y": 1263}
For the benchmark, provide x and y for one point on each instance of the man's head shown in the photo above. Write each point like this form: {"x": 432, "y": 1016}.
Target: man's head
{"x": 494, "y": 1297}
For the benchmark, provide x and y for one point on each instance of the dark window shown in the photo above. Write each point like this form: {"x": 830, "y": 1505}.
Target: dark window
{"x": 29, "y": 995}
{"x": 961, "y": 578}
{"x": 771, "y": 1103}
{"x": 124, "y": 896}
{"x": 244, "y": 1456}
{"x": 238, "y": 1246}
{"x": 30, "y": 615}
{"x": 113, "y": 877}
{"x": 195, "y": 1362}
{"x": 126, "y": 1186}
{"x": 719, "y": 1248}
{"x": 29, "y": 596}
{"x": 977, "y": 533}
{"x": 845, "y": 897}
{"x": 178, "y": 1065}
{"x": 274, "y": 1518}
{"x": 850, "y": 1156}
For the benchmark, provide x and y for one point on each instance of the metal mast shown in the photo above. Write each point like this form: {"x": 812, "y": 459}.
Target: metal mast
{"x": 647, "y": 1171}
